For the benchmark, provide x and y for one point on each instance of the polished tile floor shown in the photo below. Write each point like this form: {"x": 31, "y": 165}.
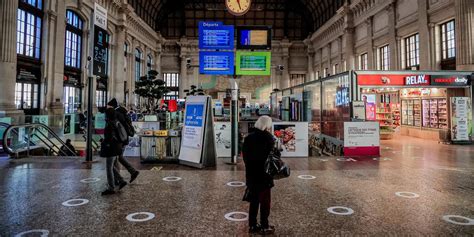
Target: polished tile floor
{"x": 417, "y": 188}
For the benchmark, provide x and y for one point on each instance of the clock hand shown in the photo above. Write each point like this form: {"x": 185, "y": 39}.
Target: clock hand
{"x": 238, "y": 1}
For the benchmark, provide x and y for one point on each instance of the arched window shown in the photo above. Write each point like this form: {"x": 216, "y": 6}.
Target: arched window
{"x": 149, "y": 63}
{"x": 73, "y": 48}
{"x": 138, "y": 64}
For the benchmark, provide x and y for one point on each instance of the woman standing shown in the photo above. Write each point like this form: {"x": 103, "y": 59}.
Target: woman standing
{"x": 256, "y": 148}
{"x": 111, "y": 148}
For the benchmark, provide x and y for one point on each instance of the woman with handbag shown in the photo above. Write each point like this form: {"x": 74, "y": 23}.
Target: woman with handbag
{"x": 256, "y": 148}
{"x": 110, "y": 149}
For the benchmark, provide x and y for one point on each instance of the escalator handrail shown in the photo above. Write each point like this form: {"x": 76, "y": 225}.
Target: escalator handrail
{"x": 6, "y": 125}
{"x": 31, "y": 125}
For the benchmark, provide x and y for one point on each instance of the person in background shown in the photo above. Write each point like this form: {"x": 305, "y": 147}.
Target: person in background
{"x": 68, "y": 149}
{"x": 124, "y": 119}
{"x": 256, "y": 148}
{"x": 82, "y": 121}
{"x": 111, "y": 149}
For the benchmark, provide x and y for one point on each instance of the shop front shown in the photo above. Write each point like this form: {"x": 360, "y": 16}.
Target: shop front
{"x": 427, "y": 105}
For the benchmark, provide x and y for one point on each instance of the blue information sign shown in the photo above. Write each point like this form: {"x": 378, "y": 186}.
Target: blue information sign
{"x": 216, "y": 63}
{"x": 194, "y": 115}
{"x": 215, "y": 35}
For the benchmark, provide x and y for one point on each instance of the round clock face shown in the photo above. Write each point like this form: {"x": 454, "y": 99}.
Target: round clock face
{"x": 238, "y": 7}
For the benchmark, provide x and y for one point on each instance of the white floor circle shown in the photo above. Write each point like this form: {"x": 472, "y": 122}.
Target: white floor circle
{"x": 236, "y": 184}
{"x": 172, "y": 179}
{"x": 43, "y": 233}
{"x": 347, "y": 211}
{"x": 449, "y": 218}
{"x": 90, "y": 180}
{"x": 75, "y": 202}
{"x": 407, "y": 195}
{"x": 149, "y": 216}
{"x": 305, "y": 176}
{"x": 230, "y": 216}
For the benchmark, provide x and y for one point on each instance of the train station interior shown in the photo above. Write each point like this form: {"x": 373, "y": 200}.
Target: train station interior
{"x": 189, "y": 117}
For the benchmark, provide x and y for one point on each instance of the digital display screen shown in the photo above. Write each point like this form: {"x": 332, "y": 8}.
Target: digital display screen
{"x": 253, "y": 63}
{"x": 216, "y": 63}
{"x": 215, "y": 35}
{"x": 254, "y": 37}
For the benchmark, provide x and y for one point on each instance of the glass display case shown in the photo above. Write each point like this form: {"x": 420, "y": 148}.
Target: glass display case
{"x": 435, "y": 113}
{"x": 411, "y": 113}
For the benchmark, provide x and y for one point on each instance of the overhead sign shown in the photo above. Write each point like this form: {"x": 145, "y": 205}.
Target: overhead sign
{"x": 100, "y": 16}
{"x": 253, "y": 63}
{"x": 417, "y": 80}
{"x": 361, "y": 139}
{"x": 216, "y": 63}
{"x": 100, "y": 52}
{"x": 447, "y": 80}
{"x": 413, "y": 80}
{"x": 215, "y": 35}
{"x": 254, "y": 37}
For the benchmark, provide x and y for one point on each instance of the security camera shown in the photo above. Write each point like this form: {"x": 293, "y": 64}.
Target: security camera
{"x": 188, "y": 60}
{"x": 89, "y": 58}
{"x": 281, "y": 67}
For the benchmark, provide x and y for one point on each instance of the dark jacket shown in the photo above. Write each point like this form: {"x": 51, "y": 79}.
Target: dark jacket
{"x": 121, "y": 113}
{"x": 257, "y": 146}
{"x": 111, "y": 146}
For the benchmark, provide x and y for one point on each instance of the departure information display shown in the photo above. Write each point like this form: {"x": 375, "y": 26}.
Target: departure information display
{"x": 253, "y": 63}
{"x": 254, "y": 37}
{"x": 215, "y": 35}
{"x": 216, "y": 63}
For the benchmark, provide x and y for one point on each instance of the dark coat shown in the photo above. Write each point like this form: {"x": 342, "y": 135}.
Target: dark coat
{"x": 257, "y": 146}
{"x": 111, "y": 146}
{"x": 121, "y": 113}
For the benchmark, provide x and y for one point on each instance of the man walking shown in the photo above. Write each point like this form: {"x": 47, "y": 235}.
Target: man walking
{"x": 122, "y": 117}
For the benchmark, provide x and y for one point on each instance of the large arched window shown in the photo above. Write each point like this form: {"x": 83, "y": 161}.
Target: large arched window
{"x": 149, "y": 63}
{"x": 28, "y": 48}
{"x": 72, "y": 62}
{"x": 138, "y": 64}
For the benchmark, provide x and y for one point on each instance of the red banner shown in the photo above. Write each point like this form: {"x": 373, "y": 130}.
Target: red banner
{"x": 393, "y": 80}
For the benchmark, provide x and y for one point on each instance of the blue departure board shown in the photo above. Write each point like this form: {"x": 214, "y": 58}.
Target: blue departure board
{"x": 215, "y": 35}
{"x": 216, "y": 63}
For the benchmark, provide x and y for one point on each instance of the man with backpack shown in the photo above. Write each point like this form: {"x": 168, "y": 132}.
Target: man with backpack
{"x": 122, "y": 116}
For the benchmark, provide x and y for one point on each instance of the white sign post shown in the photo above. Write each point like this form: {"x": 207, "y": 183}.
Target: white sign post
{"x": 361, "y": 139}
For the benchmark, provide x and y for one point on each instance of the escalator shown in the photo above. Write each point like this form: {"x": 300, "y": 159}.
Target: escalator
{"x": 33, "y": 139}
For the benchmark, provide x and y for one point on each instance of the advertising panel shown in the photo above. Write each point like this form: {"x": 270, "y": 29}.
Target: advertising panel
{"x": 358, "y": 110}
{"x": 222, "y": 133}
{"x": 69, "y": 122}
{"x": 193, "y": 121}
{"x": 216, "y": 63}
{"x": 361, "y": 139}
{"x": 253, "y": 63}
{"x": 447, "y": 80}
{"x": 215, "y": 35}
{"x": 393, "y": 80}
{"x": 292, "y": 137}
{"x": 461, "y": 124}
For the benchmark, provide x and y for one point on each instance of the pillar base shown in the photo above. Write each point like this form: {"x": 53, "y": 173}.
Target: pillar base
{"x": 56, "y": 108}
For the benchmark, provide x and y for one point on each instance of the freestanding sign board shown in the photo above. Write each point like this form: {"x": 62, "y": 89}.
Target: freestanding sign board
{"x": 461, "y": 127}
{"x": 361, "y": 139}
{"x": 198, "y": 147}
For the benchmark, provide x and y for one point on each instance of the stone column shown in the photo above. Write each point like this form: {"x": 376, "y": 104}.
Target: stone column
{"x": 8, "y": 24}
{"x": 371, "y": 61}
{"x": 119, "y": 65}
{"x": 310, "y": 74}
{"x": 464, "y": 35}
{"x": 392, "y": 36}
{"x": 349, "y": 38}
{"x": 183, "y": 82}
{"x": 425, "y": 52}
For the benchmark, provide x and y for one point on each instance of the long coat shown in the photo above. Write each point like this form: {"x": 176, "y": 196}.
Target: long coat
{"x": 256, "y": 148}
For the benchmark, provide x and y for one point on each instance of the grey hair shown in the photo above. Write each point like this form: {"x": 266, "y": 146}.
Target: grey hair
{"x": 264, "y": 123}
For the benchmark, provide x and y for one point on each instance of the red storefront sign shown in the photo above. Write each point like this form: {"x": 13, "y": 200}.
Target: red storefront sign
{"x": 393, "y": 80}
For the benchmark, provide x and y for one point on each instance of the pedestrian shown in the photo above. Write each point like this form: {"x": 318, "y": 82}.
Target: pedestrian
{"x": 67, "y": 149}
{"x": 122, "y": 116}
{"x": 256, "y": 148}
{"x": 111, "y": 149}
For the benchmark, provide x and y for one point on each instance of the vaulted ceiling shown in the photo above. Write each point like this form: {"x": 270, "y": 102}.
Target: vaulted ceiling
{"x": 293, "y": 19}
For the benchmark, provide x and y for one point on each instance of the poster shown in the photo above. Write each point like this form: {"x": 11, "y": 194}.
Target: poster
{"x": 222, "y": 133}
{"x": 361, "y": 139}
{"x": 461, "y": 125}
{"x": 358, "y": 110}
{"x": 151, "y": 118}
{"x": 69, "y": 122}
{"x": 133, "y": 147}
{"x": 99, "y": 122}
{"x": 193, "y": 125}
{"x": 5, "y": 120}
{"x": 43, "y": 119}
{"x": 292, "y": 137}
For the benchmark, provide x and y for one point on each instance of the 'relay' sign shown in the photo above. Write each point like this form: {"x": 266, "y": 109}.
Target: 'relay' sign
{"x": 417, "y": 80}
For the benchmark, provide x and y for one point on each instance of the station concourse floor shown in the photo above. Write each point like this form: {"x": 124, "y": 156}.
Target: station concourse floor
{"x": 437, "y": 181}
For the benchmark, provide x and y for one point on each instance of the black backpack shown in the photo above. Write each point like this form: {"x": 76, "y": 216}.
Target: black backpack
{"x": 121, "y": 132}
{"x": 127, "y": 123}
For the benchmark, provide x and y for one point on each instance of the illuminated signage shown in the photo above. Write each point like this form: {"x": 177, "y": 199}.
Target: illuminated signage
{"x": 215, "y": 35}
{"x": 253, "y": 63}
{"x": 254, "y": 37}
{"x": 216, "y": 63}
{"x": 417, "y": 80}
{"x": 342, "y": 96}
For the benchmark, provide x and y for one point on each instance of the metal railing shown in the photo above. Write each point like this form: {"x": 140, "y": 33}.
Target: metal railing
{"x": 21, "y": 139}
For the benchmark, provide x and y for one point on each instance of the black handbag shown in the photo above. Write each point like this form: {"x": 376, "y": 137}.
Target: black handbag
{"x": 275, "y": 167}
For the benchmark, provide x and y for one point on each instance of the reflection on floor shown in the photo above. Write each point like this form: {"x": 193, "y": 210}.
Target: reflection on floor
{"x": 411, "y": 190}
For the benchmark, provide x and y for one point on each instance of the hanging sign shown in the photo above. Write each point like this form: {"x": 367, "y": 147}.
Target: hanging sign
{"x": 100, "y": 16}
{"x": 100, "y": 54}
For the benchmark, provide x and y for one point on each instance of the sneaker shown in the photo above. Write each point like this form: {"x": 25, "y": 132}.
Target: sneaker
{"x": 134, "y": 176}
{"x": 108, "y": 192}
{"x": 122, "y": 184}
{"x": 267, "y": 231}
{"x": 255, "y": 229}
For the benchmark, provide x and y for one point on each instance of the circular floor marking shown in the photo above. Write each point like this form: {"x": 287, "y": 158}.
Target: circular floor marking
{"x": 90, "y": 180}
{"x": 407, "y": 195}
{"x": 230, "y": 216}
{"x": 449, "y": 218}
{"x": 347, "y": 211}
{"x": 236, "y": 184}
{"x": 305, "y": 176}
{"x": 75, "y": 202}
{"x": 43, "y": 233}
{"x": 149, "y": 216}
{"x": 172, "y": 179}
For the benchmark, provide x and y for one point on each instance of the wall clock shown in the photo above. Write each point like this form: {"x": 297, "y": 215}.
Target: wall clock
{"x": 238, "y": 7}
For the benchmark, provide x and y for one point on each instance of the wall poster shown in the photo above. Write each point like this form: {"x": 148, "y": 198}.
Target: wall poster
{"x": 222, "y": 132}
{"x": 461, "y": 124}
{"x": 292, "y": 138}
{"x": 361, "y": 139}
